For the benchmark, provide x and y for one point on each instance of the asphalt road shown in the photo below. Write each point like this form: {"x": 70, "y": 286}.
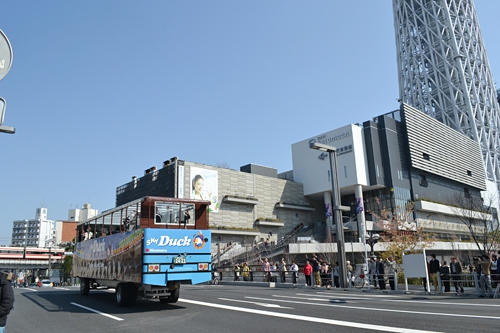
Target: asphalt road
{"x": 236, "y": 308}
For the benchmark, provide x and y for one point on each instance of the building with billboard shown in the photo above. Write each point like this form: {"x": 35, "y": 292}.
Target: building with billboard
{"x": 249, "y": 206}
{"x": 399, "y": 157}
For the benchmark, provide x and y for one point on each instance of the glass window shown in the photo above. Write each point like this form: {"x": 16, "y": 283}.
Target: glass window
{"x": 167, "y": 213}
{"x": 188, "y": 214}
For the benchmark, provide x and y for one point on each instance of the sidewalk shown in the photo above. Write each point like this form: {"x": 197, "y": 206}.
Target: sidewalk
{"x": 412, "y": 289}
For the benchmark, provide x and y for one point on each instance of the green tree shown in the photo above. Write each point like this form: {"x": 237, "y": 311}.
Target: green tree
{"x": 67, "y": 264}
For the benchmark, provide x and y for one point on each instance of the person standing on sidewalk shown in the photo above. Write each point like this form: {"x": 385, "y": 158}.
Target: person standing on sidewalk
{"x": 307, "y": 273}
{"x": 433, "y": 271}
{"x": 444, "y": 272}
{"x": 372, "y": 272}
{"x": 245, "y": 272}
{"x": 485, "y": 278}
{"x": 316, "y": 270}
{"x": 283, "y": 270}
{"x": 336, "y": 275}
{"x": 391, "y": 270}
{"x": 237, "y": 272}
{"x": 295, "y": 273}
{"x": 6, "y": 300}
{"x": 456, "y": 271}
{"x": 494, "y": 270}
{"x": 266, "y": 268}
{"x": 380, "y": 273}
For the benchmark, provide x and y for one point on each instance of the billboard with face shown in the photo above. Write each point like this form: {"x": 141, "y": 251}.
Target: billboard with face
{"x": 204, "y": 186}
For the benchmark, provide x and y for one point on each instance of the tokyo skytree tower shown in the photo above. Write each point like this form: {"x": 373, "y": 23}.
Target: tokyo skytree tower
{"x": 444, "y": 71}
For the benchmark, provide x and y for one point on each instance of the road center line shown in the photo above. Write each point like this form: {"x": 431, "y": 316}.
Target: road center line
{"x": 307, "y": 318}
{"x": 96, "y": 311}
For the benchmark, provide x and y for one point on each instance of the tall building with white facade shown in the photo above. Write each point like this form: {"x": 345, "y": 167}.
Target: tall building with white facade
{"x": 66, "y": 230}
{"x": 37, "y": 232}
{"x": 77, "y": 215}
{"x": 444, "y": 72}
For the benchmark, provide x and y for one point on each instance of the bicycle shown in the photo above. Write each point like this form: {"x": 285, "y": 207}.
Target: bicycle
{"x": 359, "y": 281}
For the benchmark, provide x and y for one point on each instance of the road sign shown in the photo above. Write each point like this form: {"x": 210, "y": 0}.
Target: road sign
{"x": 5, "y": 55}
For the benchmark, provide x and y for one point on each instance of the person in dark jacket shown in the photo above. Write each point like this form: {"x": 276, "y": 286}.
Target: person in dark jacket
{"x": 7, "y": 300}
{"x": 433, "y": 271}
{"x": 380, "y": 273}
{"x": 456, "y": 271}
{"x": 444, "y": 272}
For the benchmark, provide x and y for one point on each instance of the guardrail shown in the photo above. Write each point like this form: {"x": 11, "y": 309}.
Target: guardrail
{"x": 468, "y": 281}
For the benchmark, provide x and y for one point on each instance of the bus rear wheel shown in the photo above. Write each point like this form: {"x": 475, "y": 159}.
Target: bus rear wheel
{"x": 122, "y": 294}
{"x": 173, "y": 298}
{"x": 84, "y": 287}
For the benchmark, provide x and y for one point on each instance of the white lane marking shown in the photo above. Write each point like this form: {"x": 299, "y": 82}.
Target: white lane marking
{"x": 267, "y": 305}
{"x": 409, "y": 301}
{"x": 307, "y": 318}
{"x": 96, "y": 311}
{"x": 321, "y": 299}
{"x": 61, "y": 288}
{"x": 30, "y": 289}
{"x": 363, "y": 295}
{"x": 376, "y": 309}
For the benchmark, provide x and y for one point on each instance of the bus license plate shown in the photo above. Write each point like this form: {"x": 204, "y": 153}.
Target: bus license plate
{"x": 179, "y": 260}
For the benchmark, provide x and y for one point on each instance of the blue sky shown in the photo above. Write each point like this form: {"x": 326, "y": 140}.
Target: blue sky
{"x": 99, "y": 91}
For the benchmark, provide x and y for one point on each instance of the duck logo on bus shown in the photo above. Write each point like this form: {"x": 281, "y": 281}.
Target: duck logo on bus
{"x": 198, "y": 241}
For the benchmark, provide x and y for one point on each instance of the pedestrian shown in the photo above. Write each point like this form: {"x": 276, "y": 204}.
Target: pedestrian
{"x": 236, "y": 272}
{"x": 494, "y": 270}
{"x": 266, "y": 268}
{"x": 6, "y": 299}
{"x": 380, "y": 273}
{"x": 245, "y": 271}
{"x": 273, "y": 273}
{"x": 444, "y": 273}
{"x": 391, "y": 270}
{"x": 295, "y": 273}
{"x": 324, "y": 274}
{"x": 349, "y": 272}
{"x": 316, "y": 270}
{"x": 283, "y": 270}
{"x": 307, "y": 270}
{"x": 372, "y": 272}
{"x": 455, "y": 274}
{"x": 434, "y": 270}
{"x": 485, "y": 277}
{"x": 336, "y": 275}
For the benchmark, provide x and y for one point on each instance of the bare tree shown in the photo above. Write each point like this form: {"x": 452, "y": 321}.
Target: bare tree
{"x": 477, "y": 215}
{"x": 401, "y": 232}
{"x": 329, "y": 255}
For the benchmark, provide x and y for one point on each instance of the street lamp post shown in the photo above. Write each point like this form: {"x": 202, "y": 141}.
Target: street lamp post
{"x": 336, "y": 209}
{"x": 374, "y": 238}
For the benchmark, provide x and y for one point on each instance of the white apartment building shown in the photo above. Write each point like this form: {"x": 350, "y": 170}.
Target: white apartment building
{"x": 37, "y": 232}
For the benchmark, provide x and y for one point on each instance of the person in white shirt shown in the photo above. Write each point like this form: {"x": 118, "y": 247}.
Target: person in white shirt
{"x": 295, "y": 272}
